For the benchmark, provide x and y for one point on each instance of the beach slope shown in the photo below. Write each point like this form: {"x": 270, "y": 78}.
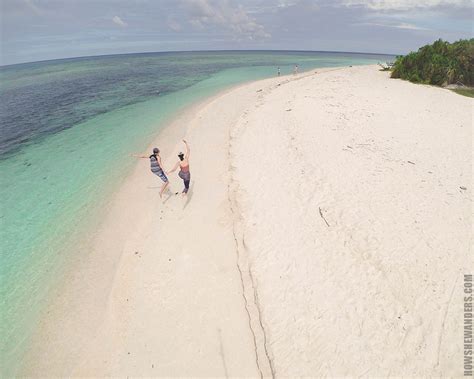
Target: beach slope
{"x": 325, "y": 234}
{"x": 356, "y": 198}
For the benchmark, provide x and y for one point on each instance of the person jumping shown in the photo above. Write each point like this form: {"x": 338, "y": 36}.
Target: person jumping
{"x": 155, "y": 167}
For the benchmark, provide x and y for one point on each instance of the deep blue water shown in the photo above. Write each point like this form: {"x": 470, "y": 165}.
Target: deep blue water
{"x": 67, "y": 127}
{"x": 37, "y": 99}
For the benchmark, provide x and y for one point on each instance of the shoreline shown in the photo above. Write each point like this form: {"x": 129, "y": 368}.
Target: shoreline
{"x": 66, "y": 201}
{"x": 80, "y": 260}
{"x": 70, "y": 291}
{"x": 187, "y": 300}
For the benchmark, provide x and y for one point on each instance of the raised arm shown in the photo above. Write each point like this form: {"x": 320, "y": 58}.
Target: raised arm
{"x": 188, "y": 150}
{"x": 139, "y": 156}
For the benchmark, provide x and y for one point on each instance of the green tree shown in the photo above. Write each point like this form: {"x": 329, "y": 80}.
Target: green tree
{"x": 439, "y": 64}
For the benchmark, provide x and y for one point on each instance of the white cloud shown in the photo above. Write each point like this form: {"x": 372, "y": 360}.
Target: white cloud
{"x": 405, "y": 25}
{"x": 402, "y": 25}
{"x": 382, "y": 5}
{"x": 117, "y": 20}
{"x": 235, "y": 18}
{"x": 173, "y": 24}
{"x": 32, "y": 6}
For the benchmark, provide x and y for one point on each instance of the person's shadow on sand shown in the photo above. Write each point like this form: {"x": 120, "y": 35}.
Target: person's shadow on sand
{"x": 169, "y": 194}
{"x": 189, "y": 195}
{"x": 166, "y": 196}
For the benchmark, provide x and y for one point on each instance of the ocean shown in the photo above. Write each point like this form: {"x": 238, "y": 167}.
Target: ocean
{"x": 67, "y": 128}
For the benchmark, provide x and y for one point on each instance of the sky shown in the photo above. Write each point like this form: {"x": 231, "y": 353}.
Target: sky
{"x": 34, "y": 30}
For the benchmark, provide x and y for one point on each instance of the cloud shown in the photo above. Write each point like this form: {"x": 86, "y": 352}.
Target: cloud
{"x": 264, "y": 8}
{"x": 405, "y": 5}
{"x": 233, "y": 17}
{"x": 117, "y": 20}
{"x": 151, "y": 25}
{"x": 173, "y": 24}
{"x": 405, "y": 25}
{"x": 32, "y": 6}
{"x": 402, "y": 25}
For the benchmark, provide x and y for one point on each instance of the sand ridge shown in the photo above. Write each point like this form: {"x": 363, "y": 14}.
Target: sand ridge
{"x": 356, "y": 224}
{"x": 323, "y": 235}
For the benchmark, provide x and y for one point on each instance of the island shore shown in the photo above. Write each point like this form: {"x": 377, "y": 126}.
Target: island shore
{"x": 325, "y": 234}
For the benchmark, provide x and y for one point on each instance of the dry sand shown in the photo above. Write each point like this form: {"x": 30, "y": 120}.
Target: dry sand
{"x": 325, "y": 234}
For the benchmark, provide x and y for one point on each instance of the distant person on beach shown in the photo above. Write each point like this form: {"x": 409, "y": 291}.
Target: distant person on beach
{"x": 183, "y": 165}
{"x": 156, "y": 167}
{"x": 279, "y": 71}
{"x": 295, "y": 71}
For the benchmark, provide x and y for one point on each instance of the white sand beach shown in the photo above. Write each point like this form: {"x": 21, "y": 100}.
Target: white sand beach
{"x": 326, "y": 233}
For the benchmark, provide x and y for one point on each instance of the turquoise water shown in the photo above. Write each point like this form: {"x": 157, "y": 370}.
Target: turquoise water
{"x": 67, "y": 129}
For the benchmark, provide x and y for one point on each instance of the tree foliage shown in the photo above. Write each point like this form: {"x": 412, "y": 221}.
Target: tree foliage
{"x": 440, "y": 64}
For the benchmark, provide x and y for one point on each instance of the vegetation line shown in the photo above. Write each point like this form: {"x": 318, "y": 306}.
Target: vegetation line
{"x": 440, "y": 64}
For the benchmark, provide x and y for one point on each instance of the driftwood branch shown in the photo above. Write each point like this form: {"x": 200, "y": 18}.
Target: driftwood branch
{"x": 387, "y": 66}
{"x": 322, "y": 216}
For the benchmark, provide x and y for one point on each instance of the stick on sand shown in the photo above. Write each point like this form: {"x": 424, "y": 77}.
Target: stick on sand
{"x": 322, "y": 216}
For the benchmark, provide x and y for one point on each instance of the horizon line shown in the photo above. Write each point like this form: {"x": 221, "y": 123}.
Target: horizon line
{"x": 196, "y": 51}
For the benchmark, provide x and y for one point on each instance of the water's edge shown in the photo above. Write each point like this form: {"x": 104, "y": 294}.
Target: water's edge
{"x": 70, "y": 231}
{"x": 76, "y": 248}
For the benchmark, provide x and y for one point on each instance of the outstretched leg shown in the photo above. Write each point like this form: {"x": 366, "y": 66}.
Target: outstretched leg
{"x": 163, "y": 177}
{"x": 163, "y": 188}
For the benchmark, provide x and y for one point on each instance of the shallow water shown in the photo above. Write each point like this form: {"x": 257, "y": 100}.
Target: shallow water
{"x": 67, "y": 127}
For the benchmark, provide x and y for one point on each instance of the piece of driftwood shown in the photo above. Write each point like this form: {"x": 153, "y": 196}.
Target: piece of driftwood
{"x": 387, "y": 66}
{"x": 322, "y": 216}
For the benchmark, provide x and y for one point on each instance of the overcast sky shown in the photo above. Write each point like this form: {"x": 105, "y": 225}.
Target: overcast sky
{"x": 35, "y": 30}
